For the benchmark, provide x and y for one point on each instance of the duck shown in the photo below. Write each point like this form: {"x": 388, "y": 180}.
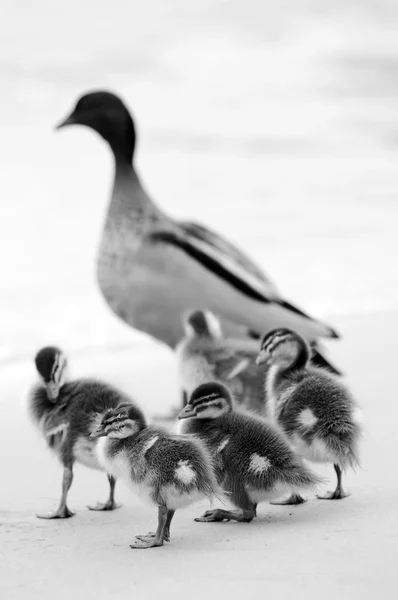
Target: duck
{"x": 152, "y": 268}
{"x": 164, "y": 469}
{"x": 204, "y": 354}
{"x": 312, "y": 407}
{"x": 65, "y": 413}
{"x": 253, "y": 460}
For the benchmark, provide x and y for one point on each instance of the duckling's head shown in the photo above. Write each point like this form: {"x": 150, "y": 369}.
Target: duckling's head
{"x": 283, "y": 347}
{"x": 51, "y": 364}
{"x": 106, "y": 113}
{"x": 208, "y": 401}
{"x": 120, "y": 422}
{"x": 202, "y": 323}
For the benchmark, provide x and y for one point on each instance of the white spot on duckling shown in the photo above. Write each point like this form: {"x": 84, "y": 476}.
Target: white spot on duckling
{"x": 258, "y": 463}
{"x": 184, "y": 472}
{"x": 149, "y": 444}
{"x": 221, "y": 446}
{"x": 307, "y": 418}
{"x": 357, "y": 415}
{"x": 63, "y": 428}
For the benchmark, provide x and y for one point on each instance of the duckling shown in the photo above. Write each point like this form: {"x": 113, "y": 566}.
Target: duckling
{"x": 168, "y": 470}
{"x": 311, "y": 406}
{"x": 66, "y": 413}
{"x": 204, "y": 355}
{"x": 254, "y": 462}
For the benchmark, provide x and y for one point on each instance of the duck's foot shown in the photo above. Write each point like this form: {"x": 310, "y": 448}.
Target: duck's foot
{"x": 62, "y": 513}
{"x": 142, "y": 542}
{"x": 109, "y": 505}
{"x": 337, "y": 494}
{"x": 293, "y": 499}
{"x": 151, "y": 535}
{"x": 218, "y": 514}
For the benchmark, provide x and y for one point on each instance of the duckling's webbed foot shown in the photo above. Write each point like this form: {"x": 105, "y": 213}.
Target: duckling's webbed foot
{"x": 339, "y": 493}
{"x": 110, "y": 504}
{"x": 62, "y": 512}
{"x": 219, "y": 514}
{"x": 293, "y": 499}
{"x": 151, "y": 540}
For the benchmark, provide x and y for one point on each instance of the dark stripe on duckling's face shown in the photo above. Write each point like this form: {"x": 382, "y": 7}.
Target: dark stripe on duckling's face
{"x": 208, "y": 401}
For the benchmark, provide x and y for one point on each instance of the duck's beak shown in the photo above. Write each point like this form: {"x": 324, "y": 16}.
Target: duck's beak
{"x": 187, "y": 411}
{"x": 97, "y": 433}
{"x": 262, "y": 358}
{"x": 71, "y": 120}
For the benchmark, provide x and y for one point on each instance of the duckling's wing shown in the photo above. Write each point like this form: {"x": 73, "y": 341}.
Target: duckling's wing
{"x": 226, "y": 267}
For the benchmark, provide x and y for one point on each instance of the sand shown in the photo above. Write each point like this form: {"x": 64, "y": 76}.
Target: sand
{"x": 344, "y": 549}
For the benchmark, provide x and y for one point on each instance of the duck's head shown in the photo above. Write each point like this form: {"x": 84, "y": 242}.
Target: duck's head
{"x": 51, "y": 364}
{"x": 106, "y": 113}
{"x": 283, "y": 347}
{"x": 202, "y": 323}
{"x": 120, "y": 422}
{"x": 208, "y": 401}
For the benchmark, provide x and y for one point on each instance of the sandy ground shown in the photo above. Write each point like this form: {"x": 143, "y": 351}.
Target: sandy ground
{"x": 343, "y": 549}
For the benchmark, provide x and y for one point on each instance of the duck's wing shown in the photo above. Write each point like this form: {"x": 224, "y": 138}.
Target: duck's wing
{"x": 213, "y": 253}
{"x": 224, "y": 246}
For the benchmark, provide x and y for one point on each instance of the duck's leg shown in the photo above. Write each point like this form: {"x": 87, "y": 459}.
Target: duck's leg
{"x": 152, "y": 534}
{"x": 293, "y": 499}
{"x": 152, "y": 542}
{"x": 339, "y": 493}
{"x": 110, "y": 504}
{"x": 62, "y": 511}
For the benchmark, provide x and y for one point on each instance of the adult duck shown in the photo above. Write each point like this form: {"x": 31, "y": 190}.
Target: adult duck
{"x": 152, "y": 269}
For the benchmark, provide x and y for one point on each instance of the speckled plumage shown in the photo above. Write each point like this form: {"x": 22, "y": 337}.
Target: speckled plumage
{"x": 312, "y": 407}
{"x": 168, "y": 470}
{"x": 253, "y": 461}
{"x": 205, "y": 355}
{"x": 67, "y": 421}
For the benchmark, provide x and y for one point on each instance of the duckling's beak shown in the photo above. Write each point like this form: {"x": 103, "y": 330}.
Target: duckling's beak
{"x": 52, "y": 390}
{"x": 262, "y": 358}
{"x": 99, "y": 432}
{"x": 187, "y": 411}
{"x": 71, "y": 120}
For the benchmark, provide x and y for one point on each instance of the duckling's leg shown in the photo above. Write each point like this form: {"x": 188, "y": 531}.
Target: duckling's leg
{"x": 220, "y": 514}
{"x": 339, "y": 493}
{"x": 149, "y": 541}
{"x": 62, "y": 511}
{"x": 110, "y": 504}
{"x": 166, "y": 537}
{"x": 293, "y": 499}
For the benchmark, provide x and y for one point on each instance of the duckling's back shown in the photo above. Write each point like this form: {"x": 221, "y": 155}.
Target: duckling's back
{"x": 320, "y": 410}
{"x": 178, "y": 460}
{"x": 248, "y": 449}
{"x": 75, "y": 412}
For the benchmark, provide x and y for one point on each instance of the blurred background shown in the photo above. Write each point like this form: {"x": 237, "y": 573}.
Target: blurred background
{"x": 276, "y": 123}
